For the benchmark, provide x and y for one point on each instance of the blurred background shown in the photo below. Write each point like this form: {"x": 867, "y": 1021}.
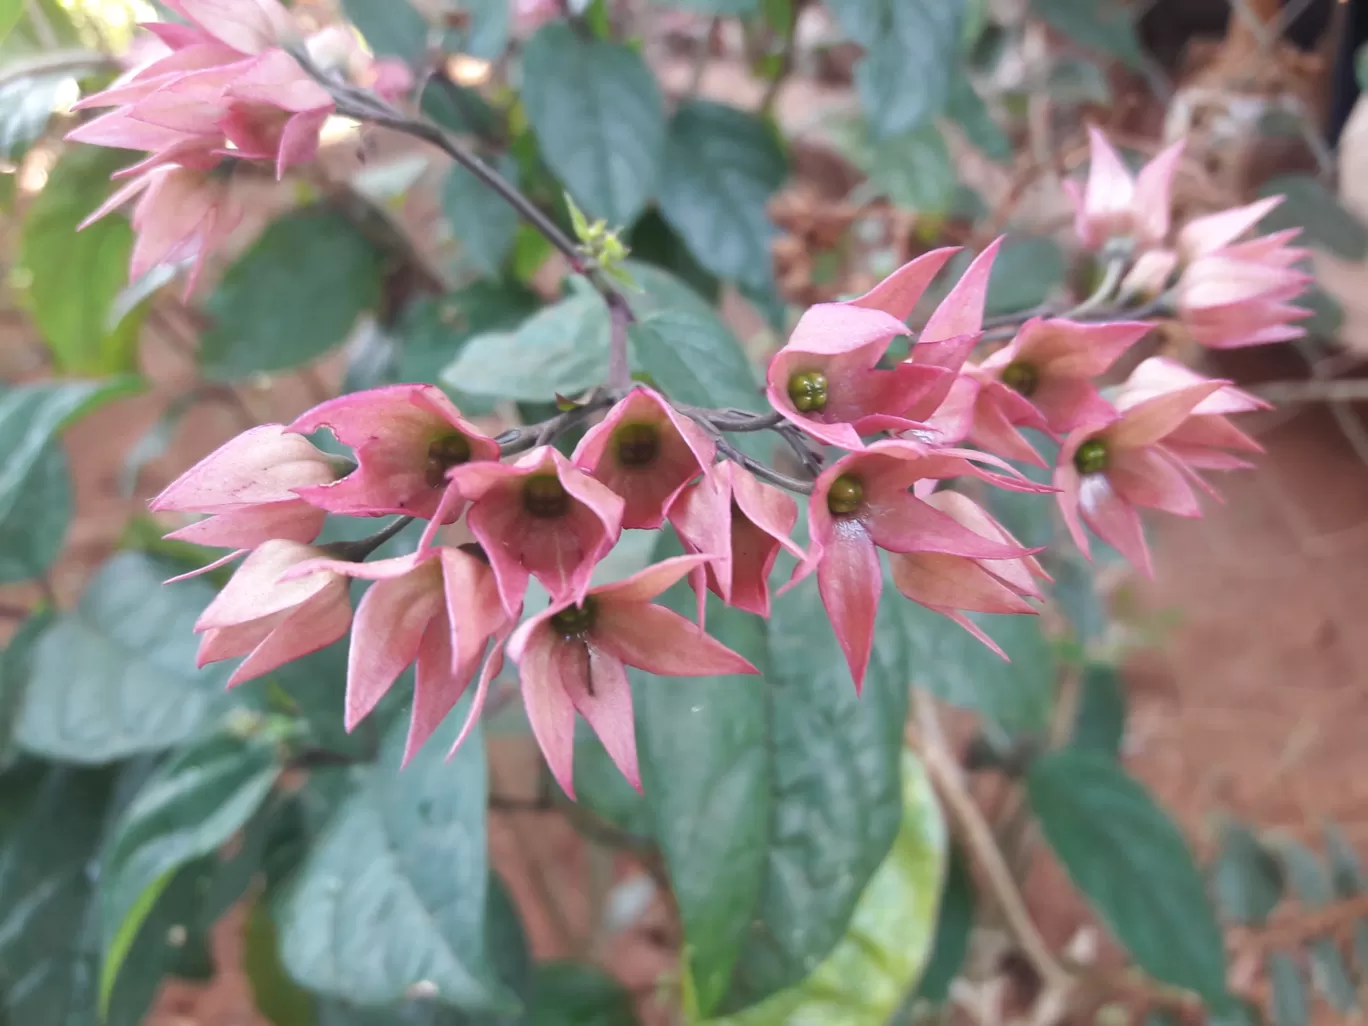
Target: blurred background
{"x": 1243, "y": 664}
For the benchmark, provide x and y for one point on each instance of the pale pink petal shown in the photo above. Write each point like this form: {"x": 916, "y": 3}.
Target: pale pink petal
{"x": 1204, "y": 235}
{"x": 263, "y": 464}
{"x": 850, "y": 580}
{"x": 603, "y": 696}
{"x": 898, "y": 294}
{"x": 1067, "y": 403}
{"x": 293, "y": 520}
{"x": 256, "y": 589}
{"x": 662, "y": 642}
{"x": 953, "y": 582}
{"x": 492, "y": 666}
{"x": 438, "y": 683}
{"x": 961, "y": 311}
{"x": 831, "y": 329}
{"x": 1057, "y": 347}
{"x": 1114, "y": 520}
{"x": 1151, "y": 420}
{"x": 315, "y": 624}
{"x": 390, "y": 622}
{"x": 1069, "y": 483}
{"x": 1109, "y": 197}
{"x": 1146, "y": 477}
{"x": 248, "y": 26}
{"x": 473, "y": 602}
{"x": 544, "y": 662}
{"x": 498, "y": 516}
{"x": 1153, "y": 195}
{"x": 646, "y": 584}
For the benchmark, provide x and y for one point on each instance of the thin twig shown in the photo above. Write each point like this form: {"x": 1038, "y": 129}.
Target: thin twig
{"x": 56, "y": 62}
{"x": 544, "y": 433}
{"x": 357, "y": 551}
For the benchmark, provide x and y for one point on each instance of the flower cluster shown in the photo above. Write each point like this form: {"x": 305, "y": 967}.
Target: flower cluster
{"x": 216, "y": 90}
{"x": 902, "y": 427}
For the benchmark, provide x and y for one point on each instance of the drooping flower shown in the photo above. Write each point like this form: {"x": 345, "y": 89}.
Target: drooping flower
{"x": 539, "y": 516}
{"x": 248, "y": 484}
{"x": 1116, "y": 205}
{"x": 247, "y": 26}
{"x": 573, "y": 658}
{"x": 740, "y": 524}
{"x": 1110, "y": 469}
{"x": 437, "y": 609}
{"x": 863, "y": 502}
{"x": 646, "y": 452}
{"x": 1203, "y": 438}
{"x": 950, "y": 584}
{"x": 826, "y": 379}
{"x": 269, "y": 619}
{"x": 405, "y": 438}
{"x": 1233, "y": 294}
{"x": 182, "y": 214}
{"x": 274, "y": 111}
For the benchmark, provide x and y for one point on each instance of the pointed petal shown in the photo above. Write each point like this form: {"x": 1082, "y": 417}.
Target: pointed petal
{"x": 316, "y": 624}
{"x": 550, "y": 668}
{"x": 916, "y": 526}
{"x": 850, "y": 580}
{"x": 898, "y": 294}
{"x": 1114, "y": 520}
{"x": 1153, "y": 195}
{"x": 832, "y": 329}
{"x": 961, "y": 311}
{"x": 492, "y": 666}
{"x": 953, "y": 582}
{"x": 1203, "y": 235}
{"x": 257, "y": 590}
{"x": 662, "y": 642}
{"x": 1061, "y": 348}
{"x": 391, "y": 620}
{"x": 1147, "y": 477}
{"x": 438, "y": 684}
{"x": 604, "y": 698}
{"x": 1151, "y": 420}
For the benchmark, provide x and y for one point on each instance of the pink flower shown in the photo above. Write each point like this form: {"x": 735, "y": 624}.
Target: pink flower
{"x": 335, "y": 49}
{"x": 950, "y": 583}
{"x": 1053, "y": 363}
{"x": 436, "y": 608}
{"x": 270, "y": 620}
{"x": 275, "y": 111}
{"x": 530, "y": 15}
{"x": 540, "y": 516}
{"x": 1200, "y": 440}
{"x": 740, "y": 524}
{"x": 248, "y": 485}
{"x": 1233, "y": 294}
{"x": 1116, "y": 205}
{"x": 864, "y": 501}
{"x": 406, "y": 438}
{"x": 573, "y": 657}
{"x": 181, "y": 214}
{"x": 247, "y": 26}
{"x": 1109, "y": 469}
{"x": 826, "y": 378}
{"x": 646, "y": 452}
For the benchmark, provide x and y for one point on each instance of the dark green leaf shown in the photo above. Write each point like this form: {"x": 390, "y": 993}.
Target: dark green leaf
{"x": 188, "y": 809}
{"x": 116, "y": 675}
{"x": 16, "y": 661}
{"x": 661, "y": 290}
{"x": 26, "y": 104}
{"x": 694, "y": 362}
{"x": 912, "y": 169}
{"x": 955, "y": 666}
{"x": 291, "y": 297}
{"x": 1247, "y": 879}
{"x": 276, "y": 996}
{"x": 889, "y": 937}
{"x": 1327, "y": 316}
{"x": 599, "y": 119}
{"x": 1330, "y": 974}
{"x": 1133, "y": 864}
{"x": 567, "y": 992}
{"x": 562, "y": 348}
{"x": 710, "y": 788}
{"x": 486, "y": 34}
{"x": 393, "y": 28}
{"x": 50, "y": 824}
{"x": 1346, "y": 871}
{"x": 1290, "y": 1005}
{"x": 1305, "y": 873}
{"x": 652, "y": 240}
{"x": 394, "y": 891}
{"x": 372, "y": 359}
{"x": 601, "y": 788}
{"x": 1103, "y": 25}
{"x": 835, "y": 768}
{"x": 1310, "y": 206}
{"x": 32, "y": 416}
{"x": 1100, "y": 723}
{"x": 966, "y": 109}
{"x": 482, "y": 223}
{"x": 459, "y": 109}
{"x": 721, "y": 167}
{"x": 954, "y": 924}
{"x": 911, "y": 47}
{"x": 75, "y": 277}
{"x": 1026, "y": 271}
{"x": 34, "y": 524}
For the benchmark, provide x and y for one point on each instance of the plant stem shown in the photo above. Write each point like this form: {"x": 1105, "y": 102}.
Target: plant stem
{"x": 357, "y": 551}
{"x": 547, "y": 431}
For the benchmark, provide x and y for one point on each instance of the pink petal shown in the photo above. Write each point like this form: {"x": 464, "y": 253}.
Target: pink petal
{"x": 550, "y": 668}
{"x": 493, "y": 664}
{"x": 832, "y": 329}
{"x": 391, "y": 620}
{"x": 257, "y": 590}
{"x": 438, "y": 684}
{"x": 912, "y": 525}
{"x": 1151, "y": 420}
{"x": 494, "y": 518}
{"x": 248, "y": 26}
{"x": 1203, "y": 235}
{"x": 952, "y": 582}
{"x": 1146, "y": 477}
{"x": 898, "y": 294}
{"x": 315, "y": 624}
{"x": 293, "y": 520}
{"x": 954, "y": 418}
{"x": 1114, "y": 520}
{"x": 850, "y": 580}
{"x": 263, "y": 464}
{"x": 1109, "y": 196}
{"x": 604, "y": 698}
{"x": 662, "y": 642}
{"x": 994, "y": 431}
{"x": 961, "y": 311}
{"x": 1067, "y": 403}
{"x": 1057, "y": 347}
{"x": 472, "y": 601}
{"x": 646, "y": 584}
{"x": 1069, "y": 484}
{"x": 702, "y": 517}
{"x": 1153, "y": 195}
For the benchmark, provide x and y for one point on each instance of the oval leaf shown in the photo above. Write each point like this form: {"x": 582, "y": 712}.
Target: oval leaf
{"x": 1133, "y": 864}
{"x": 482, "y": 223}
{"x": 695, "y": 360}
{"x": 599, "y": 119}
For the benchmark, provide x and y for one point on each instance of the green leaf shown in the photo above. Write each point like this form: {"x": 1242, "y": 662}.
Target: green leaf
{"x": 10, "y": 13}
{"x": 116, "y": 675}
{"x": 652, "y": 240}
{"x": 567, "y": 992}
{"x": 394, "y": 891}
{"x": 912, "y": 170}
{"x": 26, "y": 104}
{"x": 393, "y": 28}
{"x": 1100, "y": 723}
{"x": 911, "y": 47}
{"x": 294, "y": 295}
{"x": 459, "y": 109}
{"x": 1247, "y": 878}
{"x": 966, "y": 109}
{"x": 889, "y": 937}
{"x": 722, "y": 165}
{"x": 598, "y": 117}
{"x": 955, "y": 666}
{"x": 16, "y": 661}
{"x": 1310, "y": 206}
{"x": 34, "y": 524}
{"x": 75, "y": 277}
{"x": 1305, "y": 874}
{"x": 482, "y": 224}
{"x": 1104, "y": 25}
{"x": 1026, "y": 271}
{"x": 1290, "y": 1005}
{"x": 1330, "y": 975}
{"x": 601, "y": 788}
{"x": 1346, "y": 871}
{"x": 51, "y": 819}
{"x": 188, "y": 809}
{"x": 1133, "y": 864}
{"x": 490, "y": 23}
{"x": 563, "y": 348}
{"x": 276, "y": 996}
{"x": 694, "y": 362}
{"x": 954, "y": 924}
